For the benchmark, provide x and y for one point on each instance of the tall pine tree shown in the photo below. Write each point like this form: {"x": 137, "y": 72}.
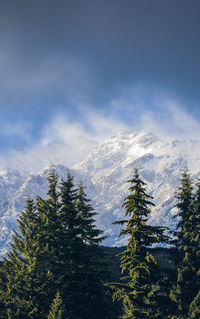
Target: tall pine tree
{"x": 50, "y": 240}
{"x": 93, "y": 268}
{"x": 19, "y": 273}
{"x": 194, "y": 309}
{"x": 186, "y": 244}
{"x": 84, "y": 286}
{"x": 33, "y": 269}
{"x": 55, "y": 248}
{"x": 139, "y": 290}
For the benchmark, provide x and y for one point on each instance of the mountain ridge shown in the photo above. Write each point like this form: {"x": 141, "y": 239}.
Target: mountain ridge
{"x": 104, "y": 172}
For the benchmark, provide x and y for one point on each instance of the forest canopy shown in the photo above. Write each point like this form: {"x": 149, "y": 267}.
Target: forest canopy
{"x": 57, "y": 266}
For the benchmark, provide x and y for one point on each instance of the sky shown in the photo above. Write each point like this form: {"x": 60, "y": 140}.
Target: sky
{"x": 73, "y": 72}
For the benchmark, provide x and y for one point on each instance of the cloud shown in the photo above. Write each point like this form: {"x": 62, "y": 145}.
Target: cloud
{"x": 149, "y": 108}
{"x": 173, "y": 122}
{"x": 103, "y": 126}
{"x": 69, "y": 139}
{"x": 44, "y": 82}
{"x": 63, "y": 142}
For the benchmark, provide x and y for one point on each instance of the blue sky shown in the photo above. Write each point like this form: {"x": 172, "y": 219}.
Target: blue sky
{"x": 93, "y": 67}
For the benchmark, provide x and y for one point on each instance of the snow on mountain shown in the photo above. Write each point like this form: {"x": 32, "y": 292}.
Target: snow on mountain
{"x": 105, "y": 172}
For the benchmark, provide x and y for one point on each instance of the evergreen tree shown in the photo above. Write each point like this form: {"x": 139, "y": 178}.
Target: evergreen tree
{"x": 32, "y": 270}
{"x": 49, "y": 237}
{"x": 87, "y": 230}
{"x": 186, "y": 243}
{"x": 18, "y": 273}
{"x": 139, "y": 290}
{"x": 50, "y": 243}
{"x": 195, "y": 220}
{"x": 84, "y": 287}
{"x": 56, "y": 248}
{"x": 184, "y": 196}
{"x": 93, "y": 268}
{"x": 194, "y": 310}
{"x": 70, "y": 248}
{"x": 57, "y": 310}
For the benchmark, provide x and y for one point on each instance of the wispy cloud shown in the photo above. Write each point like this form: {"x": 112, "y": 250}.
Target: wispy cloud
{"x": 173, "y": 122}
{"x": 149, "y": 108}
{"x": 63, "y": 141}
{"x": 68, "y": 140}
{"x": 59, "y": 77}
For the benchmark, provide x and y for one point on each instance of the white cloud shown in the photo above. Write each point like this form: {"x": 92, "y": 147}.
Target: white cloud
{"x": 102, "y": 127}
{"x": 173, "y": 123}
{"x": 151, "y": 109}
{"x": 63, "y": 141}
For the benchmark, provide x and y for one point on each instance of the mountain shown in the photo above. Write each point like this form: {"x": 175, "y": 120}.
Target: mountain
{"x": 105, "y": 172}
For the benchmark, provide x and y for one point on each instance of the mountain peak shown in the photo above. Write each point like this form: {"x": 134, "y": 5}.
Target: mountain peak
{"x": 105, "y": 172}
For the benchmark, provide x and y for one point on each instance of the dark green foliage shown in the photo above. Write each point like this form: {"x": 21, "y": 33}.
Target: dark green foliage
{"x": 139, "y": 289}
{"x": 71, "y": 248}
{"x": 31, "y": 270}
{"x": 93, "y": 268}
{"x": 194, "y": 311}
{"x": 56, "y": 248}
{"x": 57, "y": 310}
{"x": 50, "y": 239}
{"x": 185, "y": 205}
{"x": 19, "y": 273}
{"x": 85, "y": 281}
{"x": 186, "y": 242}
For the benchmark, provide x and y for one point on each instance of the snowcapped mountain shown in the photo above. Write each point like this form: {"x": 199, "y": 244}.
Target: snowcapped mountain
{"x": 105, "y": 172}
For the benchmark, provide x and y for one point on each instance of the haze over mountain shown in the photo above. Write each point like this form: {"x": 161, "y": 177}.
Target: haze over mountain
{"x": 104, "y": 172}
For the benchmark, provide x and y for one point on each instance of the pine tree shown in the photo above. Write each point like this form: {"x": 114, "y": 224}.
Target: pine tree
{"x": 55, "y": 248}
{"x": 18, "y": 273}
{"x": 84, "y": 282}
{"x": 195, "y": 220}
{"x": 93, "y": 268}
{"x": 50, "y": 243}
{"x": 139, "y": 290}
{"x": 51, "y": 229}
{"x": 194, "y": 309}
{"x": 33, "y": 270}
{"x": 88, "y": 232}
{"x": 70, "y": 248}
{"x": 184, "y": 196}
{"x": 186, "y": 244}
{"x": 57, "y": 310}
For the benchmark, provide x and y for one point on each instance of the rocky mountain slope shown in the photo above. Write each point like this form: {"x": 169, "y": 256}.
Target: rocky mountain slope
{"x": 105, "y": 172}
